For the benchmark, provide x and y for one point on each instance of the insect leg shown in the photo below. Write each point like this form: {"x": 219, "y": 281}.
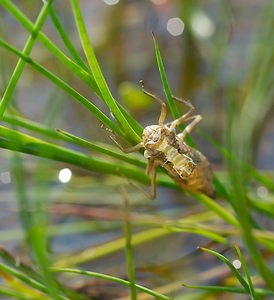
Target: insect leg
{"x": 162, "y": 103}
{"x": 151, "y": 170}
{"x": 125, "y": 150}
{"x": 185, "y": 116}
{"x": 129, "y": 149}
{"x": 189, "y": 127}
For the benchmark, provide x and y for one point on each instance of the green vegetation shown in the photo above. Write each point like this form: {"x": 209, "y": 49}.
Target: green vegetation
{"x": 232, "y": 219}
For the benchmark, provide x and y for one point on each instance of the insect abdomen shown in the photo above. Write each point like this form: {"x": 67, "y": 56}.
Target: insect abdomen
{"x": 182, "y": 164}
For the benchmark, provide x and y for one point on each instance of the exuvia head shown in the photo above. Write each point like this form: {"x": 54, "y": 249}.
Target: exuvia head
{"x": 152, "y": 134}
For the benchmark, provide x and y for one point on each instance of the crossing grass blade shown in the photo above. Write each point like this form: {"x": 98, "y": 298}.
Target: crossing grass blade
{"x": 253, "y": 294}
{"x": 22, "y": 277}
{"x": 103, "y": 148}
{"x": 113, "y": 279}
{"x": 198, "y": 229}
{"x": 21, "y": 63}
{"x": 16, "y": 141}
{"x": 238, "y": 275}
{"x": 67, "y": 88}
{"x": 128, "y": 247}
{"x": 173, "y": 108}
{"x": 217, "y": 208}
{"x": 54, "y": 50}
{"x": 228, "y": 289}
{"x": 66, "y": 40}
{"x": 98, "y": 75}
{"x": 174, "y": 111}
{"x": 86, "y": 76}
{"x": 62, "y": 135}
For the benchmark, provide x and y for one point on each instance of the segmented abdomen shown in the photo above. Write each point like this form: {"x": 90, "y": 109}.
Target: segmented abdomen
{"x": 182, "y": 164}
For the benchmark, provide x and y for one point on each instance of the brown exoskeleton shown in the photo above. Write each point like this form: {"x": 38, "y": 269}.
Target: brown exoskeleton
{"x": 187, "y": 166}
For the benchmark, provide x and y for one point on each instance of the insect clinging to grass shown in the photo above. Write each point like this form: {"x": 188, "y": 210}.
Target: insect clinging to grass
{"x": 187, "y": 166}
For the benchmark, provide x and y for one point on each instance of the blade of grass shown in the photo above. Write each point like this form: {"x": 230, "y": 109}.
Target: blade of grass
{"x": 21, "y": 63}
{"x": 67, "y": 88}
{"x": 68, "y": 137}
{"x": 94, "y": 253}
{"x": 248, "y": 277}
{"x": 85, "y": 76}
{"x": 243, "y": 121}
{"x": 113, "y": 279}
{"x": 15, "y": 263}
{"x": 236, "y": 290}
{"x": 71, "y": 65}
{"x": 22, "y": 197}
{"x": 10, "y": 292}
{"x": 16, "y": 141}
{"x": 128, "y": 248}
{"x": 38, "y": 232}
{"x": 249, "y": 169}
{"x": 220, "y": 189}
{"x": 24, "y": 278}
{"x": 66, "y": 40}
{"x": 173, "y": 108}
{"x": 218, "y": 209}
{"x": 102, "y": 149}
{"x": 98, "y": 75}
{"x": 199, "y": 229}
{"x": 232, "y": 268}
{"x": 28, "y": 281}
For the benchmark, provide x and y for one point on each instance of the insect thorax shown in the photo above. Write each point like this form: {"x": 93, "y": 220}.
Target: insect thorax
{"x": 160, "y": 143}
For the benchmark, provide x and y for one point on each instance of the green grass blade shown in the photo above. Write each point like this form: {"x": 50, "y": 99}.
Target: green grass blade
{"x": 113, "y": 279}
{"x": 91, "y": 254}
{"x": 173, "y": 108}
{"x": 66, "y": 87}
{"x": 230, "y": 265}
{"x": 24, "y": 278}
{"x": 10, "y": 292}
{"x": 243, "y": 120}
{"x": 264, "y": 207}
{"x": 199, "y": 229}
{"x": 128, "y": 248}
{"x": 235, "y": 290}
{"x": 85, "y": 76}
{"x": 21, "y": 63}
{"x": 30, "y": 125}
{"x": 28, "y": 281}
{"x": 68, "y": 137}
{"x": 248, "y": 277}
{"x": 16, "y": 141}
{"x": 218, "y": 209}
{"x": 28, "y": 25}
{"x": 98, "y": 75}
{"x": 21, "y": 193}
{"x": 248, "y": 169}
{"x": 19, "y": 265}
{"x": 66, "y": 40}
{"x": 104, "y": 149}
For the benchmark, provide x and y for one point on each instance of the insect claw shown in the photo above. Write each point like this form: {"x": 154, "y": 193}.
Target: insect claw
{"x": 142, "y": 84}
